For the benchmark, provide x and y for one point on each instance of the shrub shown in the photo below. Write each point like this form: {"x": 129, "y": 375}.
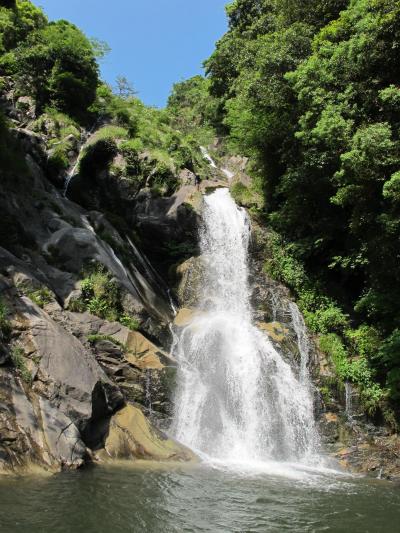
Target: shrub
{"x": 110, "y": 132}
{"x": 364, "y": 341}
{"x": 97, "y": 157}
{"x": 58, "y": 161}
{"x": 5, "y": 326}
{"x": 98, "y": 338}
{"x": 283, "y": 267}
{"x": 56, "y": 124}
{"x": 246, "y": 196}
{"x": 131, "y": 150}
{"x": 130, "y": 322}
{"x": 356, "y": 370}
{"x": 388, "y": 359}
{"x": 100, "y": 296}
{"x": 327, "y": 319}
{"x": 18, "y": 359}
{"x": 57, "y": 66}
{"x": 41, "y": 297}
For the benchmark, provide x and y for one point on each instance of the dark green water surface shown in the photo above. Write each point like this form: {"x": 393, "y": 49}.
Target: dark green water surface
{"x": 181, "y": 499}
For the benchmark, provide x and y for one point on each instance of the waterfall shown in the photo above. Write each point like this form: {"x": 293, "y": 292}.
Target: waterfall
{"x": 303, "y": 342}
{"x": 69, "y": 177}
{"x": 72, "y": 172}
{"x": 238, "y": 401}
{"x": 207, "y": 157}
{"x": 228, "y": 173}
{"x": 147, "y": 387}
{"x": 349, "y": 400}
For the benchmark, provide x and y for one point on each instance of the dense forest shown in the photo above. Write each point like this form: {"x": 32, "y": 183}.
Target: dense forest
{"x": 309, "y": 91}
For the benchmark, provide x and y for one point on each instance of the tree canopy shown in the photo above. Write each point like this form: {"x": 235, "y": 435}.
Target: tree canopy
{"x": 309, "y": 89}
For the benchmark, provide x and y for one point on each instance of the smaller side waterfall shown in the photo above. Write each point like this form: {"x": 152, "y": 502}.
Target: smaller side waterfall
{"x": 72, "y": 172}
{"x": 207, "y": 157}
{"x": 303, "y": 341}
{"x": 349, "y": 400}
{"x": 148, "y": 384}
{"x": 69, "y": 177}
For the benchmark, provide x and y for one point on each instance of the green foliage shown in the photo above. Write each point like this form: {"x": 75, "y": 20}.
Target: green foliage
{"x": 93, "y": 339}
{"x": 5, "y": 326}
{"x": 351, "y": 351}
{"x": 245, "y": 196}
{"x": 63, "y": 133}
{"x": 41, "y": 296}
{"x": 56, "y": 125}
{"x": 97, "y": 157}
{"x": 365, "y": 340}
{"x": 56, "y": 65}
{"x": 17, "y": 21}
{"x": 388, "y": 360}
{"x": 110, "y": 132}
{"x": 18, "y": 359}
{"x": 283, "y": 266}
{"x": 58, "y": 160}
{"x": 192, "y": 109}
{"x": 152, "y": 147}
{"x": 101, "y": 296}
{"x": 327, "y": 318}
{"x": 355, "y": 370}
{"x": 129, "y": 322}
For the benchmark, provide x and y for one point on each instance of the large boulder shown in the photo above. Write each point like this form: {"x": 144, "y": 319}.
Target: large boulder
{"x": 144, "y": 371}
{"x": 64, "y": 372}
{"x": 132, "y": 437}
{"x": 189, "y": 277}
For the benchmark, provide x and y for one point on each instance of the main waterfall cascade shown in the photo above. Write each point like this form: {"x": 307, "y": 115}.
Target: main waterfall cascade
{"x": 238, "y": 401}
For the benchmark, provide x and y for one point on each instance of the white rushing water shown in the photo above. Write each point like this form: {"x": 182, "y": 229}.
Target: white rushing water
{"x": 69, "y": 177}
{"x": 349, "y": 400}
{"x": 238, "y": 401}
{"x": 303, "y": 341}
{"x": 207, "y": 157}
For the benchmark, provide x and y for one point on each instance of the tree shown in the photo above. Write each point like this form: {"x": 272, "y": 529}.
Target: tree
{"x": 10, "y": 4}
{"x": 17, "y": 21}
{"x": 125, "y": 88}
{"x": 58, "y": 67}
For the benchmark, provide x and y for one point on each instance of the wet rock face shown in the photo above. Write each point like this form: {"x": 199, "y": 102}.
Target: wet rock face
{"x": 189, "y": 276}
{"x": 60, "y": 392}
{"x": 144, "y": 371}
{"x": 34, "y": 431}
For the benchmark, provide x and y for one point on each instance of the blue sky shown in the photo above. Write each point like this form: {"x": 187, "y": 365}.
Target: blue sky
{"x": 154, "y": 43}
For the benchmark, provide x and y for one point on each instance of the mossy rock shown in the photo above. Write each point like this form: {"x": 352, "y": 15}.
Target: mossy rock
{"x": 275, "y": 331}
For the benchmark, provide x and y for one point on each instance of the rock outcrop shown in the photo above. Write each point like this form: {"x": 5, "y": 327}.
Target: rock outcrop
{"x": 68, "y": 378}
{"x": 131, "y": 436}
